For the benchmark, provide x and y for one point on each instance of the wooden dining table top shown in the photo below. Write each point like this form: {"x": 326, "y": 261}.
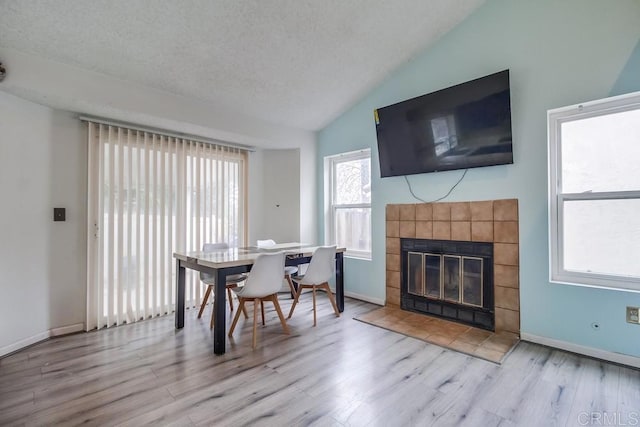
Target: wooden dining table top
{"x": 231, "y": 257}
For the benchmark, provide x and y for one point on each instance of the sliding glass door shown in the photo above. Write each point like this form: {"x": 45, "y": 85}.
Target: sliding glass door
{"x": 150, "y": 195}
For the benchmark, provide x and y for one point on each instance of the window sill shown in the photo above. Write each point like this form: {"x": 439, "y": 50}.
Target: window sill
{"x": 357, "y": 256}
{"x": 607, "y": 286}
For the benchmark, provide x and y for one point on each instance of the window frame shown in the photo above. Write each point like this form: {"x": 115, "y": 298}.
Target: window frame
{"x": 332, "y": 208}
{"x": 557, "y": 198}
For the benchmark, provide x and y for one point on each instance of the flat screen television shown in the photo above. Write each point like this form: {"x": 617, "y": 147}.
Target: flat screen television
{"x": 460, "y": 127}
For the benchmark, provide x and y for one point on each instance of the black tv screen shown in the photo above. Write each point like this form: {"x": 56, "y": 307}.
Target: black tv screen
{"x": 463, "y": 126}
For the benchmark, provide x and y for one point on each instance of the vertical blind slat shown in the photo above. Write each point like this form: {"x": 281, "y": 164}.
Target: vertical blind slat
{"x": 110, "y": 242}
{"x": 129, "y": 218}
{"x": 212, "y": 185}
{"x": 218, "y": 198}
{"x": 163, "y": 222}
{"x": 146, "y": 238}
{"x": 100, "y": 320}
{"x": 91, "y": 226}
{"x": 182, "y": 197}
{"x": 120, "y": 290}
{"x": 191, "y": 215}
{"x": 139, "y": 312}
{"x": 154, "y": 225}
{"x": 196, "y": 216}
{"x": 226, "y": 199}
{"x": 205, "y": 193}
{"x": 197, "y": 288}
{"x": 99, "y": 244}
{"x": 171, "y": 297}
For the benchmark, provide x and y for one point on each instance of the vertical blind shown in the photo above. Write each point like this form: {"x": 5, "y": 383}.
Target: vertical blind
{"x": 149, "y": 196}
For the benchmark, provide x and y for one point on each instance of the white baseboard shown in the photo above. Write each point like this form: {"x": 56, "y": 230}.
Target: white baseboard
{"x": 352, "y": 295}
{"x": 54, "y": 332}
{"x": 7, "y": 349}
{"x": 623, "y": 359}
{"x": 376, "y": 301}
{"x": 65, "y": 330}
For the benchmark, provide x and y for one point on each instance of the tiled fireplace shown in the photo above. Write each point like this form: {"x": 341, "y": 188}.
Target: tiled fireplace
{"x": 493, "y": 221}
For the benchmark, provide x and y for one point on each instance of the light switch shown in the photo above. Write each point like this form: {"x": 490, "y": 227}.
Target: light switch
{"x": 59, "y": 214}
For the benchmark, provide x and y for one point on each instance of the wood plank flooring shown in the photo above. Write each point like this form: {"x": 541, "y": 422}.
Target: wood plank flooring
{"x": 340, "y": 373}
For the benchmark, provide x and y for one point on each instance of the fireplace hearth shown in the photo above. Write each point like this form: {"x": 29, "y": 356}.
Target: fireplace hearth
{"x": 449, "y": 279}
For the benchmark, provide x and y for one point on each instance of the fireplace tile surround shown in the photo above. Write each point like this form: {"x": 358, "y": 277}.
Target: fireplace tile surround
{"x": 494, "y": 221}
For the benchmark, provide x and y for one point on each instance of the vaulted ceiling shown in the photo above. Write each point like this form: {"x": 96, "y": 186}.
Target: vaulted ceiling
{"x": 297, "y": 63}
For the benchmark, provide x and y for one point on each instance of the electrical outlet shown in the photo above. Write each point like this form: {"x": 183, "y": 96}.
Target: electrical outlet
{"x": 633, "y": 315}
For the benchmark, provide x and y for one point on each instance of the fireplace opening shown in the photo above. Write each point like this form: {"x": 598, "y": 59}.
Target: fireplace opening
{"x": 449, "y": 279}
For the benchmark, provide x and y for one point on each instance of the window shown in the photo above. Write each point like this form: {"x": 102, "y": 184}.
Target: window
{"x": 349, "y": 201}
{"x": 594, "y": 189}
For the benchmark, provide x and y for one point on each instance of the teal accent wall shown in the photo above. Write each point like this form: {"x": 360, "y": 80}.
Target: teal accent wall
{"x": 629, "y": 79}
{"x": 559, "y": 53}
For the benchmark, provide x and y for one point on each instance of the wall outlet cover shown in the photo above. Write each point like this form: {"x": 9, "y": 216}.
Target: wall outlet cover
{"x": 633, "y": 315}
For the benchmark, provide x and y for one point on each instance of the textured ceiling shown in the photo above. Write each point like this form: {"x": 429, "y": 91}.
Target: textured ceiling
{"x": 298, "y": 63}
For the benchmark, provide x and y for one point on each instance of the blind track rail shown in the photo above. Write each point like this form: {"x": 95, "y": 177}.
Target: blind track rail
{"x": 163, "y": 132}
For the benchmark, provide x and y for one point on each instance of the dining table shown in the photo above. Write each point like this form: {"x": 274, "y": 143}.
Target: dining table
{"x": 224, "y": 262}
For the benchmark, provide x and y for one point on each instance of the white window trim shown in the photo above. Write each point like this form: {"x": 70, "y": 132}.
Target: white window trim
{"x": 555, "y": 118}
{"x": 330, "y": 208}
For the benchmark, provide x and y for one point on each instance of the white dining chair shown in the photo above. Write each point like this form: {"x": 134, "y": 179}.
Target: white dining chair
{"x": 265, "y": 243}
{"x": 289, "y": 270}
{"x": 321, "y": 269}
{"x": 262, "y": 284}
{"x": 210, "y": 281}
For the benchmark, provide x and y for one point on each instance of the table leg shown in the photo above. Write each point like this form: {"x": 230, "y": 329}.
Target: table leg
{"x": 180, "y": 279}
{"x": 339, "y": 282}
{"x": 219, "y": 311}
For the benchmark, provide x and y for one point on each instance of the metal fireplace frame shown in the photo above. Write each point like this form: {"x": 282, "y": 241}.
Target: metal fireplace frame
{"x": 478, "y": 316}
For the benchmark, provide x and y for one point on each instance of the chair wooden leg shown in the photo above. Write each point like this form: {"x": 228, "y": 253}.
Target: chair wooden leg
{"x": 326, "y": 287}
{"x": 274, "y": 299}
{"x": 255, "y": 322}
{"x": 205, "y": 298}
{"x": 243, "y": 308}
{"x": 293, "y": 288}
{"x": 229, "y": 298}
{"x": 295, "y": 301}
{"x": 237, "y": 316}
{"x": 262, "y": 311}
{"x": 313, "y": 288}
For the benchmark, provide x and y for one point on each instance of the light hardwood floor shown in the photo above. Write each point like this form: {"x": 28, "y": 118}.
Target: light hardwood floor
{"x": 342, "y": 372}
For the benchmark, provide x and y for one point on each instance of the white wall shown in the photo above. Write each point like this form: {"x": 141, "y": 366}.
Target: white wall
{"x": 278, "y": 173}
{"x": 255, "y": 198}
{"x": 280, "y": 210}
{"x": 308, "y": 214}
{"x": 42, "y": 263}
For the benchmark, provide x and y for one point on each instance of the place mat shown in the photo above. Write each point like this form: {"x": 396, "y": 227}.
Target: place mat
{"x": 475, "y": 342}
